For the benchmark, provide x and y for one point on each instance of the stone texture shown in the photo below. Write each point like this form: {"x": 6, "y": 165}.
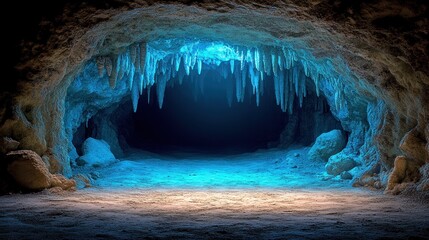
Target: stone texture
{"x": 346, "y": 176}
{"x": 30, "y": 172}
{"x": 413, "y": 145}
{"x": 58, "y": 180}
{"x": 404, "y": 172}
{"x": 96, "y": 153}
{"x": 383, "y": 42}
{"x": 8, "y": 144}
{"x": 339, "y": 163}
{"x": 28, "y": 169}
{"x": 82, "y": 181}
{"x": 326, "y": 145}
{"x": 423, "y": 184}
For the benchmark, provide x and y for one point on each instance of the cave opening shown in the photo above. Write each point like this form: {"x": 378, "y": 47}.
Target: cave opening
{"x": 266, "y": 119}
{"x": 189, "y": 99}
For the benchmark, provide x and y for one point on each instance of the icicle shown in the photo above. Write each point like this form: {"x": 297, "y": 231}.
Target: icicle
{"x": 277, "y": 89}
{"x": 291, "y": 93}
{"x": 100, "y": 65}
{"x": 140, "y": 80}
{"x": 108, "y": 65}
{"x": 337, "y": 101}
{"x": 231, "y": 62}
{"x": 114, "y": 75}
{"x": 238, "y": 85}
{"x": 181, "y": 75}
{"x": 200, "y": 65}
{"x": 186, "y": 60}
{"x": 131, "y": 76}
{"x": 243, "y": 82}
{"x": 286, "y": 90}
{"x": 316, "y": 83}
{"x": 274, "y": 64}
{"x": 264, "y": 64}
{"x": 163, "y": 67}
{"x": 137, "y": 60}
{"x": 242, "y": 61}
{"x": 126, "y": 63}
{"x": 257, "y": 97}
{"x": 133, "y": 54}
{"x": 143, "y": 52}
{"x": 177, "y": 62}
{"x": 150, "y": 68}
{"x": 267, "y": 63}
{"x": 254, "y": 78}
{"x": 257, "y": 60}
{"x": 304, "y": 87}
{"x": 305, "y": 66}
{"x": 280, "y": 62}
{"x": 148, "y": 95}
{"x": 296, "y": 79}
{"x": 135, "y": 95}
{"x": 249, "y": 57}
{"x": 188, "y": 69}
{"x": 121, "y": 68}
{"x": 160, "y": 89}
{"x": 224, "y": 71}
{"x": 193, "y": 61}
{"x": 282, "y": 91}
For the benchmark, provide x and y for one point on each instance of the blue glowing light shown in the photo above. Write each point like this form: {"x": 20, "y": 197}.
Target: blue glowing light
{"x": 216, "y": 51}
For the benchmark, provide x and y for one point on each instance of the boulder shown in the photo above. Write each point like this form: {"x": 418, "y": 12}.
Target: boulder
{"x": 413, "y": 144}
{"x": 58, "y": 180}
{"x": 404, "y": 171}
{"x": 8, "y": 144}
{"x": 28, "y": 169}
{"x": 326, "y": 145}
{"x": 96, "y": 153}
{"x": 346, "y": 175}
{"x": 339, "y": 163}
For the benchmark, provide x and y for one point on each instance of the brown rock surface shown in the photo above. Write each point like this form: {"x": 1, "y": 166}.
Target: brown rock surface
{"x": 58, "y": 180}
{"x": 28, "y": 169}
{"x": 8, "y": 144}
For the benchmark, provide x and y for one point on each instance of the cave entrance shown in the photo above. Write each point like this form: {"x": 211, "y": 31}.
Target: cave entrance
{"x": 234, "y": 109}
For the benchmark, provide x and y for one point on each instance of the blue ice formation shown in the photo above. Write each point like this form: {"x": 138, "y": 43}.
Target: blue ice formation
{"x": 159, "y": 62}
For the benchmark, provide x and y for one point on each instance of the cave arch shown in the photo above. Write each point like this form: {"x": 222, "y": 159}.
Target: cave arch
{"x": 385, "y": 93}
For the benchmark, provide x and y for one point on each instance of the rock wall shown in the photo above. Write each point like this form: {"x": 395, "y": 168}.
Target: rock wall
{"x": 382, "y": 43}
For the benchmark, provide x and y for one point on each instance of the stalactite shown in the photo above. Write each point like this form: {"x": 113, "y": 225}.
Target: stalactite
{"x": 100, "y": 65}
{"x": 108, "y": 65}
{"x": 144, "y": 66}
{"x": 135, "y": 93}
{"x": 114, "y": 75}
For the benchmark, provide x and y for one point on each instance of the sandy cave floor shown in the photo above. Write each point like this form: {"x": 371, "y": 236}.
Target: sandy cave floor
{"x": 192, "y": 199}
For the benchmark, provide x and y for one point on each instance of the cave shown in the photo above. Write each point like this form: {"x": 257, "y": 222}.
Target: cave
{"x": 231, "y": 119}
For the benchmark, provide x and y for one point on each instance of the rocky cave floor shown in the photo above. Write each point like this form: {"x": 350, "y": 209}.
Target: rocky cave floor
{"x": 269, "y": 194}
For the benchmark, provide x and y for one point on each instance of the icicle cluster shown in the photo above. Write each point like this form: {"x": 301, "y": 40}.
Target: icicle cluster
{"x": 144, "y": 66}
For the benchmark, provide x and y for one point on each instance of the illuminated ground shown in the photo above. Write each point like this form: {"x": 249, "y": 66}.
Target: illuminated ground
{"x": 261, "y": 169}
{"x": 214, "y": 199}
